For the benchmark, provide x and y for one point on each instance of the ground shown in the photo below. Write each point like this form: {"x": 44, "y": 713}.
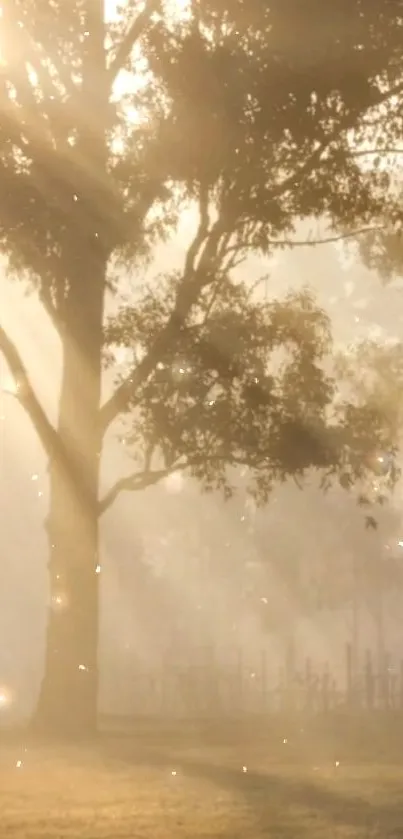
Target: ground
{"x": 286, "y": 783}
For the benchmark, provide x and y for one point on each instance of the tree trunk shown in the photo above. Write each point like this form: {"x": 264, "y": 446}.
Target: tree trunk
{"x": 68, "y": 696}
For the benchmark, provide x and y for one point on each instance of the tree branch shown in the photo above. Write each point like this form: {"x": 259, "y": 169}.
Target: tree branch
{"x": 377, "y": 152}
{"x": 132, "y": 483}
{"x": 346, "y": 124}
{"x": 133, "y": 34}
{"x": 191, "y": 286}
{"x": 325, "y": 240}
{"x": 202, "y": 231}
{"x": 26, "y": 395}
{"x": 195, "y": 278}
{"x": 145, "y": 479}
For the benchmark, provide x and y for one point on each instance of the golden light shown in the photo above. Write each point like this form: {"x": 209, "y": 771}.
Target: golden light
{"x": 178, "y": 8}
{"x": 5, "y": 698}
{"x": 59, "y": 601}
{"x": 9, "y": 385}
{"x": 174, "y": 483}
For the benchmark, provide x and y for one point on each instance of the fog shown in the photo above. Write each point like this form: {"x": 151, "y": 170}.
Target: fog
{"x": 187, "y": 576}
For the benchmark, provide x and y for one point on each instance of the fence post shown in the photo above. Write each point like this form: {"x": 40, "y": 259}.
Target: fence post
{"x": 240, "y": 680}
{"x": 369, "y": 682}
{"x": 290, "y": 674}
{"x": 263, "y": 680}
{"x": 386, "y": 682}
{"x": 349, "y": 675}
{"x": 325, "y": 689}
{"x": 307, "y": 683}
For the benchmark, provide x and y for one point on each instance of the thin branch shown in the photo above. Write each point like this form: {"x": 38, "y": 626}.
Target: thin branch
{"x": 337, "y": 237}
{"x": 376, "y": 152}
{"x": 211, "y": 303}
{"x": 308, "y": 243}
{"x": 346, "y": 124}
{"x": 135, "y": 482}
{"x": 26, "y": 396}
{"x": 133, "y": 34}
{"x": 145, "y": 479}
{"x": 188, "y": 293}
{"x": 383, "y": 96}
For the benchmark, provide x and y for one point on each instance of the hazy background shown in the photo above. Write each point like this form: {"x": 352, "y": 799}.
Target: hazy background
{"x": 208, "y": 584}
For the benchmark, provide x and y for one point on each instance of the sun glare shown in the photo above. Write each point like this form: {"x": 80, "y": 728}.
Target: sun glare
{"x": 9, "y": 385}
{"x": 179, "y": 8}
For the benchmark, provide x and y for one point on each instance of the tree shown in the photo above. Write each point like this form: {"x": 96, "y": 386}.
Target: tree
{"x": 374, "y": 373}
{"x": 93, "y": 180}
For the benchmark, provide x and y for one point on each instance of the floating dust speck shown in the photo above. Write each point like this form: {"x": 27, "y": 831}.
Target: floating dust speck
{"x": 59, "y": 601}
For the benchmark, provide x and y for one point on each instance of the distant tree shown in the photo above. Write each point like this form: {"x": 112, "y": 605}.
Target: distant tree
{"x": 244, "y": 111}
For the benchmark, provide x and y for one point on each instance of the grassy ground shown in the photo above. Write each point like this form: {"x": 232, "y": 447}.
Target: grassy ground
{"x": 237, "y": 784}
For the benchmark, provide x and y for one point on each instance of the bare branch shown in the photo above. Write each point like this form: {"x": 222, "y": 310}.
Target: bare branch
{"x": 377, "y": 152}
{"x": 26, "y": 396}
{"x": 337, "y": 237}
{"x": 139, "y": 480}
{"x": 133, "y": 34}
{"x": 144, "y": 479}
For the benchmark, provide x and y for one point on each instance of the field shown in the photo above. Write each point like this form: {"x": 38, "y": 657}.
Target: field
{"x": 241, "y": 783}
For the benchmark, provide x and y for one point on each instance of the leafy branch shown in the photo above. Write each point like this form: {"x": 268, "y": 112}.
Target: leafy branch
{"x": 197, "y": 275}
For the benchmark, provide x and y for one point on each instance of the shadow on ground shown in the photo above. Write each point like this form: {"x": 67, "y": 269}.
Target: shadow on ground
{"x": 288, "y": 800}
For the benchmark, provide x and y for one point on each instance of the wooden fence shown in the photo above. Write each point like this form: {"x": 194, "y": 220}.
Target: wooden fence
{"x": 210, "y": 691}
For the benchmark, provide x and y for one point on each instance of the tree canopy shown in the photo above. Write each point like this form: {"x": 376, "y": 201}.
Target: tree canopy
{"x": 253, "y": 115}
{"x": 116, "y": 120}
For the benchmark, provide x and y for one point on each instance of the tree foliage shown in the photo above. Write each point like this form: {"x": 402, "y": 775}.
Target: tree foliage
{"x": 248, "y": 113}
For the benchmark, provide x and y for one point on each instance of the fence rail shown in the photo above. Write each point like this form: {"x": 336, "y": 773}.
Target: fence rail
{"x": 196, "y": 691}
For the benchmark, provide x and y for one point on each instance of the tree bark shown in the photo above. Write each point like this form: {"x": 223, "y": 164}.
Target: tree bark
{"x": 68, "y": 697}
